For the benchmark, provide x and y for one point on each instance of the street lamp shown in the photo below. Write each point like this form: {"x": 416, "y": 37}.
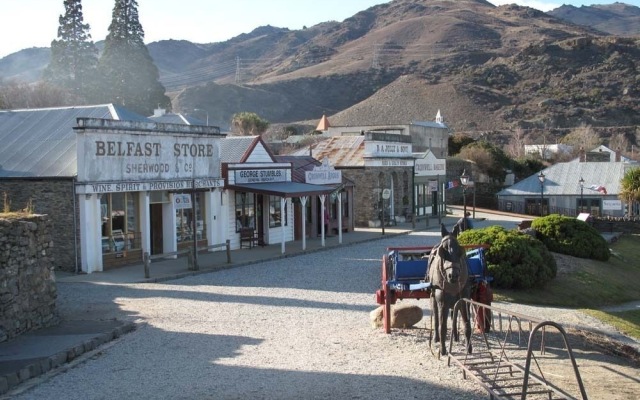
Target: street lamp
{"x": 581, "y": 181}
{"x": 464, "y": 179}
{"x": 541, "y": 179}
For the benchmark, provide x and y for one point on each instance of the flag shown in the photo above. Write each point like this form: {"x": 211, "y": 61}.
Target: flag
{"x": 598, "y": 188}
{"x": 452, "y": 184}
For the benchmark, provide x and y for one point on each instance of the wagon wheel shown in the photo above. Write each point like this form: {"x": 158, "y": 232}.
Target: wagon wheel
{"x": 386, "y": 309}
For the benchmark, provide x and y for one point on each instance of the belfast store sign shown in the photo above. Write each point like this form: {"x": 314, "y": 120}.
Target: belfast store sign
{"x": 105, "y": 157}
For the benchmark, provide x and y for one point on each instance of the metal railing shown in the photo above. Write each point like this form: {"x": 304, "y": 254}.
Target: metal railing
{"x": 490, "y": 370}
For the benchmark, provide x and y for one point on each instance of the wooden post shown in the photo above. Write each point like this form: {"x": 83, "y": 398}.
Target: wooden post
{"x": 190, "y": 260}
{"x": 147, "y": 260}
{"x": 228, "y": 242}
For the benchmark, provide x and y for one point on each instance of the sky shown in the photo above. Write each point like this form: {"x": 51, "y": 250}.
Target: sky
{"x": 34, "y": 23}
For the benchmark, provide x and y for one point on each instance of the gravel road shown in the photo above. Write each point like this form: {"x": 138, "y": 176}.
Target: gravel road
{"x": 296, "y": 328}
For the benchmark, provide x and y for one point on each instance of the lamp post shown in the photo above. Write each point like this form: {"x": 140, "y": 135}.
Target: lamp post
{"x": 464, "y": 179}
{"x": 581, "y": 181}
{"x": 541, "y": 179}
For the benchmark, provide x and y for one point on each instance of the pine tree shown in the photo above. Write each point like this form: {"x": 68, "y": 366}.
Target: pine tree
{"x": 128, "y": 76}
{"x": 74, "y": 56}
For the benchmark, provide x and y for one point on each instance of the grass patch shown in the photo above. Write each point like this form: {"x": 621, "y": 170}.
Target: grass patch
{"x": 592, "y": 284}
{"x": 627, "y": 322}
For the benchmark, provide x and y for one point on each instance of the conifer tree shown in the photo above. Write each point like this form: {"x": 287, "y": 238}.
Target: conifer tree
{"x": 74, "y": 56}
{"x": 128, "y": 76}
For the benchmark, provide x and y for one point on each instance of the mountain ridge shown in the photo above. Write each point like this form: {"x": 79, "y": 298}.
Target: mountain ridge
{"x": 487, "y": 68}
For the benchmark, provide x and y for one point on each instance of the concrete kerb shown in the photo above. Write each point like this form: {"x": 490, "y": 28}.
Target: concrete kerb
{"x": 49, "y": 365}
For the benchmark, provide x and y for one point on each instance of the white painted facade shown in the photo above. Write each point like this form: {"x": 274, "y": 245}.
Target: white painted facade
{"x": 137, "y": 174}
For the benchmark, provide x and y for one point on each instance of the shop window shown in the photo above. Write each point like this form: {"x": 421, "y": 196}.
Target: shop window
{"x": 120, "y": 224}
{"x": 276, "y": 216}
{"x": 245, "y": 211}
{"x": 184, "y": 222}
{"x": 345, "y": 204}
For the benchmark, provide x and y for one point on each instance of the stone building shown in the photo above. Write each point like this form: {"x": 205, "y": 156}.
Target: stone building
{"x": 374, "y": 161}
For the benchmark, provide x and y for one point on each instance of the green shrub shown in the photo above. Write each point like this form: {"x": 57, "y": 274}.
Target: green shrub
{"x": 515, "y": 260}
{"x": 571, "y": 236}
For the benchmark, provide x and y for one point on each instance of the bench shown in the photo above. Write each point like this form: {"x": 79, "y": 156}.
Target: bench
{"x": 247, "y": 237}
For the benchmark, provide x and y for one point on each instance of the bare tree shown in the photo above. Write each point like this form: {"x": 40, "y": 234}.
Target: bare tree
{"x": 584, "y": 136}
{"x": 515, "y": 147}
{"x": 40, "y": 94}
{"x": 619, "y": 142}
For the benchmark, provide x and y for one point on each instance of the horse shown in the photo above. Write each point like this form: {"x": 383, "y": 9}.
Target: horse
{"x": 449, "y": 279}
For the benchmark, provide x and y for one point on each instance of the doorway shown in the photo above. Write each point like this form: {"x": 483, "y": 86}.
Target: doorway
{"x": 155, "y": 214}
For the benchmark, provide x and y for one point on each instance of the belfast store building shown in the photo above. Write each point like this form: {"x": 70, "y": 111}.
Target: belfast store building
{"x": 114, "y": 184}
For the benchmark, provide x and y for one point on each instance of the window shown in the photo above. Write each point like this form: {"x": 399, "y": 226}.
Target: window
{"x": 184, "y": 221}
{"x": 345, "y": 204}
{"x": 276, "y": 215}
{"x": 245, "y": 211}
{"x": 119, "y": 214}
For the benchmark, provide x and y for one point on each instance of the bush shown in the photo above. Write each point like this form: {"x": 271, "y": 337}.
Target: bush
{"x": 515, "y": 260}
{"x": 571, "y": 236}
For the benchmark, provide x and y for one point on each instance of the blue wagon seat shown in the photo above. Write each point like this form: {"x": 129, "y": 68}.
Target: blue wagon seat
{"x": 407, "y": 274}
{"x": 477, "y": 265}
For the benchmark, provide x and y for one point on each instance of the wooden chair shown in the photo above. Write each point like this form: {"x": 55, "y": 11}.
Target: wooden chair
{"x": 247, "y": 237}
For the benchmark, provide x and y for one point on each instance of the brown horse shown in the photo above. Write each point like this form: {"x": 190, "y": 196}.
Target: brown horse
{"x": 449, "y": 278}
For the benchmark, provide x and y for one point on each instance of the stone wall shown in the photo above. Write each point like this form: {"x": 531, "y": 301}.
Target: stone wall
{"x": 53, "y": 197}
{"x": 611, "y": 225}
{"x": 27, "y": 283}
{"x": 366, "y": 192}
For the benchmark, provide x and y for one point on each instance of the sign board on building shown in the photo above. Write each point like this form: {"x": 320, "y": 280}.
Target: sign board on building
{"x": 386, "y": 194}
{"x": 387, "y": 149}
{"x": 181, "y": 201}
{"x": 433, "y": 186}
{"x": 388, "y": 162}
{"x": 130, "y": 157}
{"x": 260, "y": 175}
{"x": 429, "y": 165}
{"x": 612, "y": 205}
{"x": 323, "y": 174}
{"x": 149, "y": 186}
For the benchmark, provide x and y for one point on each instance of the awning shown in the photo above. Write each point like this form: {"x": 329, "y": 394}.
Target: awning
{"x": 284, "y": 189}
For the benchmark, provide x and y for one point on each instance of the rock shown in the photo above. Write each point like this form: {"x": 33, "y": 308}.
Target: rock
{"x": 402, "y": 316}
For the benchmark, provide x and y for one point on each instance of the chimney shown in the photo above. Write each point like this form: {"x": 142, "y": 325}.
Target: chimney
{"x": 582, "y": 155}
{"x": 618, "y": 155}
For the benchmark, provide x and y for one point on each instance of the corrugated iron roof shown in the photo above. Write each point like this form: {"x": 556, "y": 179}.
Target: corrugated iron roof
{"x": 41, "y": 142}
{"x": 171, "y": 118}
{"x": 342, "y": 151}
{"x": 300, "y": 165}
{"x": 234, "y": 148}
{"x": 563, "y": 179}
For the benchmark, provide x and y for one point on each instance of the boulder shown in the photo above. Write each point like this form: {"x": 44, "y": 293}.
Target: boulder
{"x": 402, "y": 316}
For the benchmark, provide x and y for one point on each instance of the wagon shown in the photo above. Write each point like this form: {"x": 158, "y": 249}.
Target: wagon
{"x": 403, "y": 277}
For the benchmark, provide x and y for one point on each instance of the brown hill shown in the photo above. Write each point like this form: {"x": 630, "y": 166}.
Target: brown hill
{"x": 616, "y": 19}
{"x": 486, "y": 68}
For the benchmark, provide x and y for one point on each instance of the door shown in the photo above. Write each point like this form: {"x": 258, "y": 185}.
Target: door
{"x": 155, "y": 214}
